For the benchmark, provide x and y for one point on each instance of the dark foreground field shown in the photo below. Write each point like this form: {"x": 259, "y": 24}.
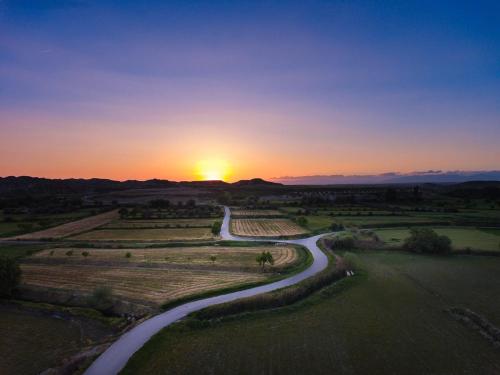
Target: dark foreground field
{"x": 389, "y": 319}
{"x": 34, "y": 339}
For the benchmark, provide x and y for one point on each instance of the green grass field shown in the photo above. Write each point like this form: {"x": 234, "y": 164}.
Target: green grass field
{"x": 461, "y": 238}
{"x": 17, "y": 250}
{"x": 390, "y": 319}
{"x": 32, "y": 342}
{"x": 11, "y": 225}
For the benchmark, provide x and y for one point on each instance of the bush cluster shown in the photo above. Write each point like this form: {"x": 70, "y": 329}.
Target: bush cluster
{"x": 425, "y": 240}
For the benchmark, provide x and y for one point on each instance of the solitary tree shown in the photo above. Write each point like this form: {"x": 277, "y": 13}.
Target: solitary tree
{"x": 265, "y": 257}
{"x": 10, "y": 275}
{"x": 302, "y": 221}
{"x": 102, "y": 299}
{"x": 213, "y": 258}
{"x": 85, "y": 254}
{"x": 128, "y": 255}
{"x": 216, "y": 227}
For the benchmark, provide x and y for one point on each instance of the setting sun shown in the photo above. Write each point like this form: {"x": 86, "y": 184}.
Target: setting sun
{"x": 208, "y": 170}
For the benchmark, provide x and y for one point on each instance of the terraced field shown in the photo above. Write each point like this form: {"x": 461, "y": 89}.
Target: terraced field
{"x": 72, "y": 228}
{"x": 154, "y": 275}
{"x": 266, "y": 227}
{"x": 227, "y": 257}
{"x": 138, "y": 234}
{"x": 153, "y": 285}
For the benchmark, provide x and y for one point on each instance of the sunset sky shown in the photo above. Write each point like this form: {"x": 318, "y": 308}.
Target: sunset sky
{"x": 174, "y": 89}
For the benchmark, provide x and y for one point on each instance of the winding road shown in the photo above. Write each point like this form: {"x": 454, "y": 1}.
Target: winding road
{"x": 116, "y": 356}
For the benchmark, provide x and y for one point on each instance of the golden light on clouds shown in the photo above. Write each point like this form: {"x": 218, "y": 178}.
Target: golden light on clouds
{"x": 212, "y": 169}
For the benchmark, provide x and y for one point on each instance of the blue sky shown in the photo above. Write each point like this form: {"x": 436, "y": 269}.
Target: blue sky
{"x": 356, "y": 86}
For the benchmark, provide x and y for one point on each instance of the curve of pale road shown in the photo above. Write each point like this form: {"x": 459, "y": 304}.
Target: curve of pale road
{"x": 114, "y": 359}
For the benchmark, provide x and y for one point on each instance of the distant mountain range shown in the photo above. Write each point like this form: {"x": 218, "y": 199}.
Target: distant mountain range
{"x": 27, "y": 184}
{"x": 393, "y": 178}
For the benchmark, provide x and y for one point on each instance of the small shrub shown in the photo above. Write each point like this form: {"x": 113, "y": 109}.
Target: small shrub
{"x": 128, "y": 254}
{"x": 302, "y": 221}
{"x": 69, "y": 253}
{"x": 85, "y": 254}
{"x": 216, "y": 227}
{"x": 102, "y": 299}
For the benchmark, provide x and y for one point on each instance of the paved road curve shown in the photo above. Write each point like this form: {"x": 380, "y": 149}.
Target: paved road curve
{"x": 116, "y": 356}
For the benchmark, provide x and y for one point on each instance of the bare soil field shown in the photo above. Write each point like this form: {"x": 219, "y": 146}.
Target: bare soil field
{"x": 266, "y": 227}
{"x": 152, "y": 285}
{"x": 225, "y": 257}
{"x": 163, "y": 234}
{"x": 160, "y": 223}
{"x": 255, "y": 213}
{"x": 72, "y": 228}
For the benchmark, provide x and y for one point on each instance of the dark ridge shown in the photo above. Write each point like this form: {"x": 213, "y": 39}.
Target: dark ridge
{"x": 256, "y": 182}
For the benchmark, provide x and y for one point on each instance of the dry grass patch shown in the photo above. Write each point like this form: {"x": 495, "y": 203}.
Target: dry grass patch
{"x": 72, "y": 228}
{"x": 231, "y": 257}
{"x": 153, "y": 285}
{"x": 163, "y": 234}
{"x": 266, "y": 227}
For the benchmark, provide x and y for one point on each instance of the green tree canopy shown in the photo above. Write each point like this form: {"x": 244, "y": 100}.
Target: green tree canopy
{"x": 426, "y": 240}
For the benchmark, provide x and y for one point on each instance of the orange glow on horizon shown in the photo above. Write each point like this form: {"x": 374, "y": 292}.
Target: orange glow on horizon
{"x": 212, "y": 169}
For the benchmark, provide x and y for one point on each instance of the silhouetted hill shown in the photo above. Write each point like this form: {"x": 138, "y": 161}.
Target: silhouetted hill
{"x": 256, "y": 182}
{"x": 26, "y": 184}
{"x": 37, "y": 185}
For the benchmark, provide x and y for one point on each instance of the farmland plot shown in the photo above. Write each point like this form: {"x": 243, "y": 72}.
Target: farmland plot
{"x": 138, "y": 234}
{"x": 255, "y": 213}
{"x": 160, "y": 223}
{"x": 225, "y": 257}
{"x": 266, "y": 227}
{"x": 72, "y": 228}
{"x": 153, "y": 285}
